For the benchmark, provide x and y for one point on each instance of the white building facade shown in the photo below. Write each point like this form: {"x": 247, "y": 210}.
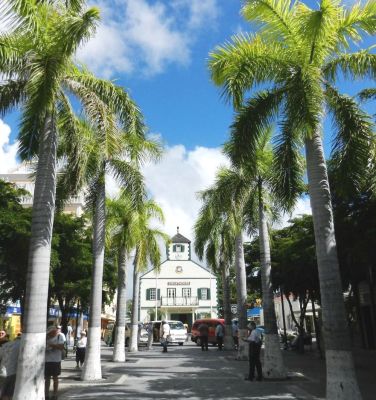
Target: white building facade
{"x": 22, "y": 177}
{"x": 182, "y": 289}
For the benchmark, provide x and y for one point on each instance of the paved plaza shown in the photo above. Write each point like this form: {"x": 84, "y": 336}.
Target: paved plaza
{"x": 187, "y": 372}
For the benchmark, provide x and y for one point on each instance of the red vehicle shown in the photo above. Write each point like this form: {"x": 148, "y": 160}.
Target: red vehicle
{"x": 211, "y": 323}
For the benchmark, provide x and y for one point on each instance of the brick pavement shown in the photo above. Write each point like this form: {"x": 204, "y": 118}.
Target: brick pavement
{"x": 187, "y": 372}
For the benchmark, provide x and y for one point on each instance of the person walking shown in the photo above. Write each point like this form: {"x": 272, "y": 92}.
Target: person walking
{"x": 54, "y": 349}
{"x": 81, "y": 350}
{"x": 219, "y": 334}
{"x": 235, "y": 334}
{"x": 149, "y": 330}
{"x": 8, "y": 367}
{"x": 204, "y": 336}
{"x": 164, "y": 335}
{"x": 255, "y": 342}
{"x": 69, "y": 334}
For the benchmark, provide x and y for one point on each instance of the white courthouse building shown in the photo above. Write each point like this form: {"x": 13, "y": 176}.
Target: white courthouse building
{"x": 182, "y": 289}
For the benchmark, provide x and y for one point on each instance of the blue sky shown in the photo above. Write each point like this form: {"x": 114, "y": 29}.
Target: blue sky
{"x": 158, "y": 50}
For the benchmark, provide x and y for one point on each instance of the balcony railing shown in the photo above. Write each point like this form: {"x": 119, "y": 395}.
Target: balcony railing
{"x": 179, "y": 301}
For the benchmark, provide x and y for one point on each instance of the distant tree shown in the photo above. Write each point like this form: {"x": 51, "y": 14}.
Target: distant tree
{"x": 15, "y": 223}
{"x": 70, "y": 274}
{"x": 355, "y": 213}
{"x": 294, "y": 269}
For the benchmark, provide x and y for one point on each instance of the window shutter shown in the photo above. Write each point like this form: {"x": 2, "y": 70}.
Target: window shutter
{"x": 174, "y": 248}
{"x": 199, "y": 294}
{"x": 208, "y": 291}
{"x": 158, "y": 294}
{"x": 147, "y": 294}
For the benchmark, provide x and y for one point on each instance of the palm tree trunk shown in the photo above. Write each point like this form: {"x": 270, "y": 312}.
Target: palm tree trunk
{"x": 227, "y": 343}
{"x": 133, "y": 343}
{"x": 241, "y": 290}
{"x": 92, "y": 367}
{"x": 273, "y": 362}
{"x": 341, "y": 382}
{"x": 121, "y": 310}
{"x": 30, "y": 371}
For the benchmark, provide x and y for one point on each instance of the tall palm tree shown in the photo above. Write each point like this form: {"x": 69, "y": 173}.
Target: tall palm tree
{"x": 120, "y": 226}
{"x": 147, "y": 252}
{"x": 35, "y": 61}
{"x": 215, "y": 240}
{"x": 92, "y": 155}
{"x": 297, "y": 54}
{"x": 238, "y": 192}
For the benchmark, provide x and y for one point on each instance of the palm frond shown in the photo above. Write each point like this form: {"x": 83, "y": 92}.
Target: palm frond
{"x": 286, "y": 176}
{"x": 141, "y": 150}
{"x": 12, "y": 95}
{"x": 251, "y": 122}
{"x": 361, "y": 64}
{"x": 360, "y": 18}
{"x": 247, "y": 61}
{"x": 275, "y": 17}
{"x": 116, "y": 98}
{"x": 367, "y": 94}
{"x": 319, "y": 30}
{"x": 16, "y": 13}
{"x": 129, "y": 178}
{"x": 75, "y": 29}
{"x": 354, "y": 137}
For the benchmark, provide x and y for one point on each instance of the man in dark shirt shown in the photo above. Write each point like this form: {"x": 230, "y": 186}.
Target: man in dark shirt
{"x": 204, "y": 336}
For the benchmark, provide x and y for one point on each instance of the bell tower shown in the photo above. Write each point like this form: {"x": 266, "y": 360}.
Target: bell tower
{"x": 179, "y": 248}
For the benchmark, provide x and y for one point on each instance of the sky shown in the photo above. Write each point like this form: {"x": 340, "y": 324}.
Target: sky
{"x": 158, "y": 50}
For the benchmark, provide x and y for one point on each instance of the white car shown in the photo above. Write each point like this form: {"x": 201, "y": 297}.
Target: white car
{"x": 178, "y": 332}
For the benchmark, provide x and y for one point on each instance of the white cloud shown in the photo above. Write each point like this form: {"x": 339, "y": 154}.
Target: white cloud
{"x": 302, "y": 207}
{"x": 145, "y": 36}
{"x": 8, "y": 152}
{"x": 174, "y": 182}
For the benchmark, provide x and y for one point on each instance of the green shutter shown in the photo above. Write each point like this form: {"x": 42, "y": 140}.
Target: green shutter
{"x": 208, "y": 293}
{"x": 174, "y": 248}
{"x": 199, "y": 294}
{"x": 147, "y": 294}
{"x": 158, "y": 294}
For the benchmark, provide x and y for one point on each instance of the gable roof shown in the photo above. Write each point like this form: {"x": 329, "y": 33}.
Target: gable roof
{"x": 178, "y": 238}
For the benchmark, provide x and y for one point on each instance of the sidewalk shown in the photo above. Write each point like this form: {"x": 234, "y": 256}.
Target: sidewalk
{"x": 187, "y": 372}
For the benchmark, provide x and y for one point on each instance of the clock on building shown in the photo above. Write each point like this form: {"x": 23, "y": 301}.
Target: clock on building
{"x": 179, "y": 269}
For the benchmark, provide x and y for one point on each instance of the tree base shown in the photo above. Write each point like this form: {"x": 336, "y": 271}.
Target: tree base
{"x": 30, "y": 371}
{"x": 341, "y": 382}
{"x": 92, "y": 370}
{"x": 274, "y": 367}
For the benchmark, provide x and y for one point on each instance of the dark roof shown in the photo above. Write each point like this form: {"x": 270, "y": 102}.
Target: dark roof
{"x": 178, "y": 238}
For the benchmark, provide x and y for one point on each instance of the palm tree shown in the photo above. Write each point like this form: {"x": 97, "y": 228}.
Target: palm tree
{"x": 215, "y": 239}
{"x": 297, "y": 54}
{"x": 93, "y": 154}
{"x": 35, "y": 60}
{"x": 147, "y": 252}
{"x": 120, "y": 222}
{"x": 238, "y": 192}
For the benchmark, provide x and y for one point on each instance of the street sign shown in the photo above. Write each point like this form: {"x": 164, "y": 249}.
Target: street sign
{"x": 234, "y": 308}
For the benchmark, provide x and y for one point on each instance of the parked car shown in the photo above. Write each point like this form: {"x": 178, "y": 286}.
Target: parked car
{"x": 212, "y": 323}
{"x": 178, "y": 332}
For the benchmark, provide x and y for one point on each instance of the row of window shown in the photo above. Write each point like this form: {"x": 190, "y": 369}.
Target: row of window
{"x": 153, "y": 293}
